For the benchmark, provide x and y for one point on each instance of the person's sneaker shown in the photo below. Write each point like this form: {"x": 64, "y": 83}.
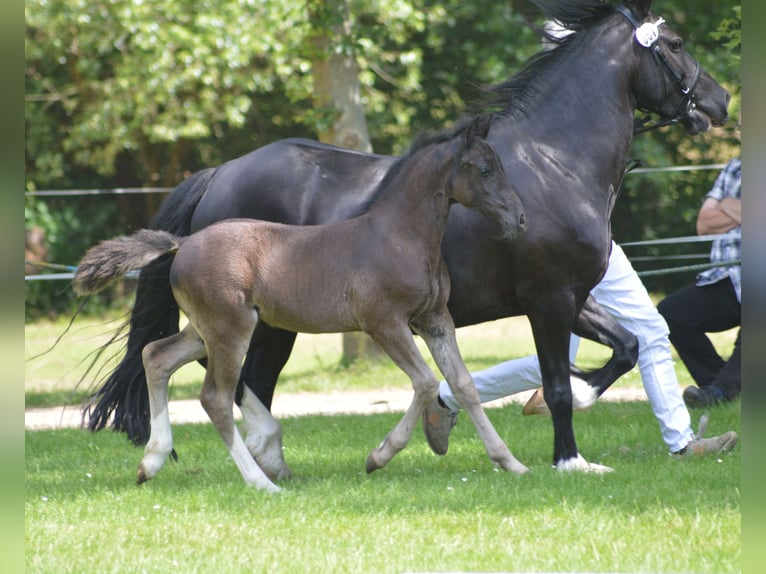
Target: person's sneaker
{"x": 712, "y": 445}
{"x": 702, "y": 397}
{"x": 437, "y": 424}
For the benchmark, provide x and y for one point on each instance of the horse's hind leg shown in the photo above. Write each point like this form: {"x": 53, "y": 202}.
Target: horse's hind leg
{"x": 439, "y": 335}
{"x": 263, "y": 437}
{"x": 227, "y": 336}
{"x": 269, "y": 350}
{"x": 595, "y": 323}
{"x": 161, "y": 359}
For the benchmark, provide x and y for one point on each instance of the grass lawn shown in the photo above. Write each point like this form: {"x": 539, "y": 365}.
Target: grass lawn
{"x": 83, "y": 512}
{"x": 53, "y": 378}
{"x": 420, "y": 513}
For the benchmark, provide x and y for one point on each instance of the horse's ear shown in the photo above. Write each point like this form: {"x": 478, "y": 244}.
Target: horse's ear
{"x": 479, "y": 128}
{"x": 640, "y": 8}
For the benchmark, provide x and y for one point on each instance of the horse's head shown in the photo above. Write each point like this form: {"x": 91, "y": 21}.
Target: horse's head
{"x": 481, "y": 183}
{"x": 669, "y": 81}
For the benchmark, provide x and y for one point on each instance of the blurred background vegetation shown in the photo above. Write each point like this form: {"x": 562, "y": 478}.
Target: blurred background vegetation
{"x": 128, "y": 93}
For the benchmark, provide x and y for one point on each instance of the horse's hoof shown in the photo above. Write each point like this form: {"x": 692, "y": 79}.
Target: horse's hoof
{"x": 579, "y": 464}
{"x": 513, "y": 466}
{"x": 536, "y": 405}
{"x": 141, "y": 476}
{"x": 269, "y": 487}
{"x": 372, "y": 464}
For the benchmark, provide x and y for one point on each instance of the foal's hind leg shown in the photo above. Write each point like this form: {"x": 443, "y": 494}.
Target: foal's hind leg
{"x": 263, "y": 437}
{"x": 227, "y": 336}
{"x": 439, "y": 334}
{"x": 161, "y": 359}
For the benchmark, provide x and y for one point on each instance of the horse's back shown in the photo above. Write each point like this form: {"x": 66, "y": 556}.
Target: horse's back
{"x": 296, "y": 181}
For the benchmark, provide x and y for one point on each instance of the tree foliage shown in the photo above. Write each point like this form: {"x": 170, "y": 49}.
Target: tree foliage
{"x": 144, "y": 92}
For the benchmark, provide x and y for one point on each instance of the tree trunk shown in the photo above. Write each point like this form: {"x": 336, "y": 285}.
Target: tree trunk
{"x": 339, "y": 113}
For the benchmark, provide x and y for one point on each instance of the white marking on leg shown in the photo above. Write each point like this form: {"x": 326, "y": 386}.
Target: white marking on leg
{"x": 251, "y": 472}
{"x": 584, "y": 396}
{"x": 159, "y": 446}
{"x": 579, "y": 464}
{"x": 263, "y": 437}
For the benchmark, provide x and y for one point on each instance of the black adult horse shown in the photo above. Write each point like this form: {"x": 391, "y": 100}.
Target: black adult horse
{"x": 563, "y": 129}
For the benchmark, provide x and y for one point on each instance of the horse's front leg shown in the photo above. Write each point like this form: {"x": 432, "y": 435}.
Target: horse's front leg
{"x": 161, "y": 359}
{"x": 551, "y": 330}
{"x": 438, "y": 331}
{"x": 595, "y": 324}
{"x": 396, "y": 339}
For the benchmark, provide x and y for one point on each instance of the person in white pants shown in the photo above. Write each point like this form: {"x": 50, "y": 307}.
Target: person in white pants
{"x": 624, "y": 296}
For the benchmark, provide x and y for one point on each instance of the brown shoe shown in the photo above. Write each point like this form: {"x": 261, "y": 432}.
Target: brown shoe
{"x": 536, "y": 405}
{"x": 712, "y": 445}
{"x": 717, "y": 444}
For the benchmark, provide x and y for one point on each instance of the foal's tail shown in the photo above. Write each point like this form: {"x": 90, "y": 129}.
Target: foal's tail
{"x": 111, "y": 259}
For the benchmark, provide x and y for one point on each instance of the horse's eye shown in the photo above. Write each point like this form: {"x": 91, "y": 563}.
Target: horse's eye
{"x": 485, "y": 170}
{"x": 676, "y": 45}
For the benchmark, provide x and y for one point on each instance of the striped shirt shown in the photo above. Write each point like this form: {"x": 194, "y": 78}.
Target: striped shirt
{"x": 727, "y": 184}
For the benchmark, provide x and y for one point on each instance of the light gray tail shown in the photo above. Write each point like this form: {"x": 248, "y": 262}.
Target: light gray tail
{"x": 114, "y": 258}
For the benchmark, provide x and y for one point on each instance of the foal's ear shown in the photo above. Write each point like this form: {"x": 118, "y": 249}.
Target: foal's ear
{"x": 479, "y": 128}
{"x": 640, "y": 8}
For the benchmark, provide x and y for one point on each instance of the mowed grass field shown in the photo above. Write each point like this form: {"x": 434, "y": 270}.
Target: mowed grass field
{"x": 655, "y": 513}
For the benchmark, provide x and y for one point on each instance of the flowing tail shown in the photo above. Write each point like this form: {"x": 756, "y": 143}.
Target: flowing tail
{"x": 114, "y": 258}
{"x": 122, "y": 400}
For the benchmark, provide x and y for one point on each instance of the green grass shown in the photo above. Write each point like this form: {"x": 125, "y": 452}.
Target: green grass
{"x": 83, "y": 512}
{"x": 54, "y": 378}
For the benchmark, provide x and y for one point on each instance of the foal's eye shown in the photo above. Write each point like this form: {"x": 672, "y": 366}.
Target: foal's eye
{"x": 485, "y": 170}
{"x": 676, "y": 45}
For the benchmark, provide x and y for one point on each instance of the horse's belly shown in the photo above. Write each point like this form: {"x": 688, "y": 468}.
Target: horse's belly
{"x": 311, "y": 308}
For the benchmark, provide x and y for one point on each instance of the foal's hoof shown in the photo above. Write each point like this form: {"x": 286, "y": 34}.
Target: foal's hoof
{"x": 141, "y": 476}
{"x": 372, "y": 463}
{"x": 514, "y": 466}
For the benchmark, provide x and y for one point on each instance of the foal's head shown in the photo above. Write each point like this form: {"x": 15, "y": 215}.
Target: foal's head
{"x": 480, "y": 181}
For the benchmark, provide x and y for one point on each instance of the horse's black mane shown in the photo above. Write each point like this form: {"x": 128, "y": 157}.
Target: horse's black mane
{"x": 514, "y": 96}
{"x": 420, "y": 141}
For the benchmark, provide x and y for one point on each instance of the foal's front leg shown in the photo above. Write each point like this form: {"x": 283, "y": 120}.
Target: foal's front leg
{"x": 396, "y": 339}
{"x": 161, "y": 359}
{"x": 439, "y": 334}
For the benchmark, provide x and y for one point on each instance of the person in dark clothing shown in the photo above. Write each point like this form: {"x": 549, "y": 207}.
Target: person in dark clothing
{"x": 713, "y": 303}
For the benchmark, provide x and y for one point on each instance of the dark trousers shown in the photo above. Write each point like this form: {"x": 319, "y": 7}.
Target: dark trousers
{"x": 692, "y": 312}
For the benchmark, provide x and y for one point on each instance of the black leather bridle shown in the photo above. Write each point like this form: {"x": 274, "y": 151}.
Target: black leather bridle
{"x": 687, "y": 102}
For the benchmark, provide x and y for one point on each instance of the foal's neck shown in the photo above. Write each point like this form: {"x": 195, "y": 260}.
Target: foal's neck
{"x": 417, "y": 199}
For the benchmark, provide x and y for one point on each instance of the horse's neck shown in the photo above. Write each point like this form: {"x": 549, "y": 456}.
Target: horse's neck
{"x": 416, "y": 201}
{"x": 590, "y": 107}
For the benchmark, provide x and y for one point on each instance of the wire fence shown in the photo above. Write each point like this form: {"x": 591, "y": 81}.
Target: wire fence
{"x": 67, "y": 271}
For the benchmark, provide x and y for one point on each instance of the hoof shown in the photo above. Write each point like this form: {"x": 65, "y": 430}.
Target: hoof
{"x": 579, "y": 464}
{"x": 269, "y": 487}
{"x": 141, "y": 476}
{"x": 372, "y": 463}
{"x": 516, "y": 467}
